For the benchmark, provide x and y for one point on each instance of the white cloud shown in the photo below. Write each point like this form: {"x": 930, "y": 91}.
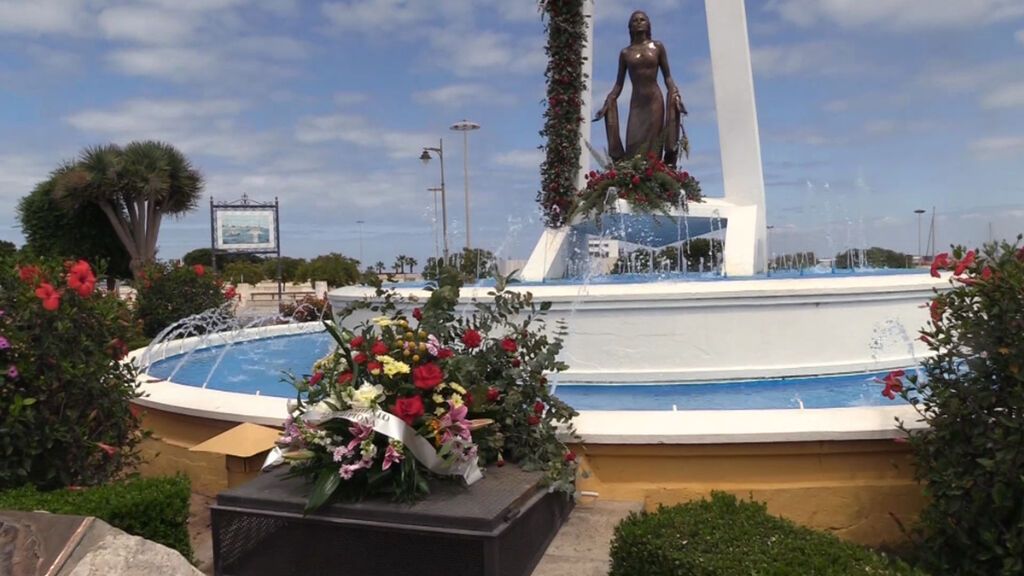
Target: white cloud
{"x": 898, "y": 15}
{"x": 485, "y": 52}
{"x": 457, "y": 95}
{"x": 522, "y": 160}
{"x": 205, "y": 127}
{"x": 1008, "y": 96}
{"x": 43, "y": 16}
{"x": 145, "y": 25}
{"x": 361, "y": 132}
{"x": 795, "y": 59}
{"x": 19, "y": 173}
{"x": 375, "y": 16}
{"x": 998, "y": 145}
{"x": 170, "y": 63}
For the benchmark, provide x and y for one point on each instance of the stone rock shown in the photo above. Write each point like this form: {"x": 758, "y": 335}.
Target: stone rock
{"x": 120, "y": 554}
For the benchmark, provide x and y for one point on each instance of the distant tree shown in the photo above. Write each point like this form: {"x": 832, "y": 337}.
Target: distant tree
{"x": 874, "y": 257}
{"x": 336, "y": 269}
{"x": 134, "y": 186}
{"x": 411, "y": 263}
{"x": 201, "y": 256}
{"x": 702, "y": 250}
{"x": 289, "y": 268}
{"x": 796, "y": 260}
{"x": 7, "y": 248}
{"x": 248, "y": 272}
{"x": 379, "y": 266}
{"x": 55, "y": 231}
{"x": 432, "y": 269}
{"x": 399, "y": 264}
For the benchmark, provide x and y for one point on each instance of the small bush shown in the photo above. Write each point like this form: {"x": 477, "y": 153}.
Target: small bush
{"x": 309, "y": 309}
{"x": 167, "y": 294}
{"x": 971, "y": 457}
{"x": 154, "y": 508}
{"x": 727, "y": 537}
{"x": 65, "y": 398}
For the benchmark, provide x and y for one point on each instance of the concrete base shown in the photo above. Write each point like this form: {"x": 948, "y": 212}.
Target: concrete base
{"x": 858, "y": 490}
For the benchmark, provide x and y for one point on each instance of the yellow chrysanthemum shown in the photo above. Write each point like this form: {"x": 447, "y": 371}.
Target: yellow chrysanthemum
{"x": 456, "y": 399}
{"x": 392, "y": 366}
{"x": 383, "y": 321}
{"x": 455, "y": 386}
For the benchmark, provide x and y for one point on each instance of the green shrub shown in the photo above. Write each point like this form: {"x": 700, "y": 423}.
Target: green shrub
{"x": 167, "y": 294}
{"x": 65, "y": 414}
{"x": 153, "y": 508}
{"x": 726, "y": 537}
{"x": 971, "y": 458}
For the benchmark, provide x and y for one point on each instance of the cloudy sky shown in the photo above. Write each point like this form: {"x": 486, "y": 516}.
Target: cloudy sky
{"x": 867, "y": 110}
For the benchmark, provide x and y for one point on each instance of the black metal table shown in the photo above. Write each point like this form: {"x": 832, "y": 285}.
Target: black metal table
{"x": 500, "y": 526}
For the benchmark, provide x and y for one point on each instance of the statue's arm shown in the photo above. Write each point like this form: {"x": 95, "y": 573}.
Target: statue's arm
{"x": 613, "y": 96}
{"x": 673, "y": 90}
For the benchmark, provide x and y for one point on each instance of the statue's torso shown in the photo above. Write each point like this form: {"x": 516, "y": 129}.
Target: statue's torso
{"x": 642, "y": 64}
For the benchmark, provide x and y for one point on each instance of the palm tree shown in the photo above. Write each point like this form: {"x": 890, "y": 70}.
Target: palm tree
{"x": 135, "y": 186}
{"x": 412, "y": 262}
{"x": 379, "y": 266}
{"x": 399, "y": 264}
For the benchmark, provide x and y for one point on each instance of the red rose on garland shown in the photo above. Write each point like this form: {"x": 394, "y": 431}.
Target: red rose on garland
{"x": 472, "y": 338}
{"x": 427, "y": 376}
{"x": 408, "y": 409}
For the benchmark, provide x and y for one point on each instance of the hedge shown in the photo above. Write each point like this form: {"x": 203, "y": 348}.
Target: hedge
{"x": 153, "y": 508}
{"x": 727, "y": 537}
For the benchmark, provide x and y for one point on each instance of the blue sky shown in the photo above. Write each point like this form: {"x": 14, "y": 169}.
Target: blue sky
{"x": 867, "y": 110}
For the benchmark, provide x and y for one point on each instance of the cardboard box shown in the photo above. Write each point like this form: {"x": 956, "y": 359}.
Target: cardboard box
{"x": 244, "y": 447}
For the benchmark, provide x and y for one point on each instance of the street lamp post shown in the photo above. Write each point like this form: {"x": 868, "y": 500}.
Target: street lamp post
{"x": 466, "y": 127}
{"x": 919, "y": 211}
{"x": 437, "y": 242}
{"x": 425, "y": 158}
{"x": 360, "y": 223}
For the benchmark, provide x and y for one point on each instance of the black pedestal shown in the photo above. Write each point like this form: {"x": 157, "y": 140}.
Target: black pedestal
{"x": 500, "y": 526}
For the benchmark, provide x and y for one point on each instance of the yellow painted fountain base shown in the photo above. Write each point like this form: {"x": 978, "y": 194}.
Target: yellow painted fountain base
{"x": 861, "y": 490}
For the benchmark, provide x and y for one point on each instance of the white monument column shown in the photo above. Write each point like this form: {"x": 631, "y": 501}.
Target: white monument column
{"x": 738, "y": 135}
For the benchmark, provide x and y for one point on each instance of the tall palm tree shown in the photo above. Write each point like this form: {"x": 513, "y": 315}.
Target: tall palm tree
{"x": 412, "y": 262}
{"x": 135, "y": 186}
{"x": 379, "y": 266}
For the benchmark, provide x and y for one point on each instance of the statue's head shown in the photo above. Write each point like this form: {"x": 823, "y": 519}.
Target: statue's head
{"x": 639, "y": 23}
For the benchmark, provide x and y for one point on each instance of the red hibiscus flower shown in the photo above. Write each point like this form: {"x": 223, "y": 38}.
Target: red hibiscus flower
{"x": 344, "y": 378}
{"x": 199, "y": 269}
{"x": 81, "y": 279}
{"x": 570, "y": 456}
{"x": 49, "y": 296}
{"x": 936, "y": 310}
{"x": 493, "y": 394}
{"x": 472, "y": 338}
{"x": 509, "y": 345}
{"x": 358, "y": 341}
{"x": 427, "y": 376}
{"x": 533, "y": 420}
{"x": 29, "y": 274}
{"x": 230, "y": 293}
{"x": 359, "y": 358}
{"x": 964, "y": 264}
{"x": 417, "y": 313}
{"x": 940, "y": 262}
{"x": 379, "y": 348}
{"x": 316, "y": 378}
{"x": 408, "y": 409}
{"x": 893, "y": 384}
{"x": 538, "y": 407}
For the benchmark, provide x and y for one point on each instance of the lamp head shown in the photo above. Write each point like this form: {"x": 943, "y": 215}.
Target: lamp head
{"x": 425, "y": 157}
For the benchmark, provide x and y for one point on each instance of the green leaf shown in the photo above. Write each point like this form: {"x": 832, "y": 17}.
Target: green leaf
{"x": 326, "y": 483}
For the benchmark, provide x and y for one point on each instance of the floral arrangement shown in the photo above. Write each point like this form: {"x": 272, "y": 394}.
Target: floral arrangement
{"x": 567, "y": 32}
{"x": 646, "y": 183}
{"x": 421, "y": 392}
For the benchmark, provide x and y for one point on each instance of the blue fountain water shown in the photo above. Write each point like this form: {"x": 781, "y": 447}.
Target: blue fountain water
{"x": 258, "y": 367}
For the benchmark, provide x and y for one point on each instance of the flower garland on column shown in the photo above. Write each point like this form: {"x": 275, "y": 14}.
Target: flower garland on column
{"x": 567, "y": 33}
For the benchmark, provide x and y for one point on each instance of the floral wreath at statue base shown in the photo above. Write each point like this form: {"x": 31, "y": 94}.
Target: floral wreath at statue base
{"x": 648, "y": 184}
{"x": 421, "y": 392}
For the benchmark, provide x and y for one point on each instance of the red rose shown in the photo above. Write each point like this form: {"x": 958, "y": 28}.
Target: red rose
{"x": 81, "y": 279}
{"x": 417, "y": 313}
{"x": 538, "y": 407}
{"x": 509, "y": 345}
{"x": 493, "y": 394}
{"x": 29, "y": 274}
{"x": 374, "y": 368}
{"x": 358, "y": 341}
{"x": 344, "y": 378}
{"x": 635, "y": 180}
{"x": 49, "y": 296}
{"x": 359, "y": 358}
{"x": 471, "y": 338}
{"x": 612, "y": 174}
{"x": 427, "y": 376}
{"x": 516, "y": 363}
{"x": 408, "y": 409}
{"x": 570, "y": 456}
{"x": 940, "y": 262}
{"x": 199, "y": 269}
{"x": 316, "y": 378}
{"x": 650, "y": 172}
{"x": 379, "y": 348}
{"x": 533, "y": 420}
{"x": 467, "y": 398}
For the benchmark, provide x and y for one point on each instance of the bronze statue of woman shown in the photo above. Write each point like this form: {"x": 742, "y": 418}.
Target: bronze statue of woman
{"x": 649, "y": 129}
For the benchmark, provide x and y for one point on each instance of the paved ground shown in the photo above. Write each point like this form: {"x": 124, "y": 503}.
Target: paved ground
{"x": 579, "y": 549}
